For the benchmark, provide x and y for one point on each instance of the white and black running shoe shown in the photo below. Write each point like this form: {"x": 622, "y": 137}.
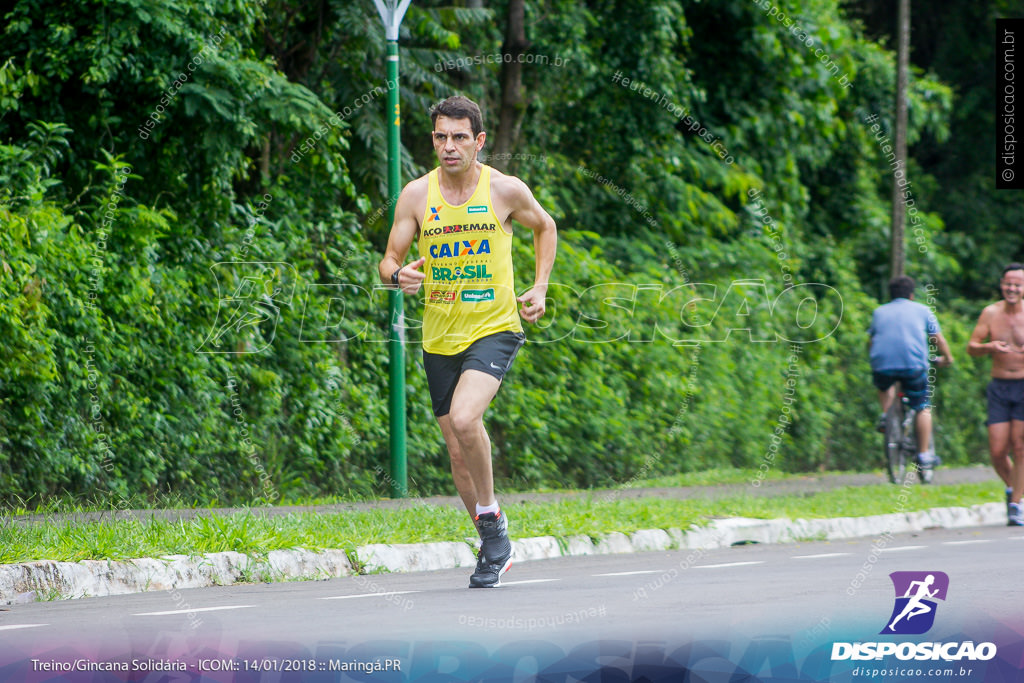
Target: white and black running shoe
{"x": 495, "y": 555}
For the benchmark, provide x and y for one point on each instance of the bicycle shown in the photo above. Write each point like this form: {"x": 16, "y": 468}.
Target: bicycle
{"x": 901, "y": 442}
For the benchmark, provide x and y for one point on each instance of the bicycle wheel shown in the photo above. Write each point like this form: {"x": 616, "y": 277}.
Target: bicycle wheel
{"x": 895, "y": 457}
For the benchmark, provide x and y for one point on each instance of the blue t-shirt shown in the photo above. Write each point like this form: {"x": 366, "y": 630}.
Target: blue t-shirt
{"x": 899, "y": 336}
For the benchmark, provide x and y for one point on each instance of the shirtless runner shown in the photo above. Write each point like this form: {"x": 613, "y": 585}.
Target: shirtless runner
{"x": 1002, "y": 324}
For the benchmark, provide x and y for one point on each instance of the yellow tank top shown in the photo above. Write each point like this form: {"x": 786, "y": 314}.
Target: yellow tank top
{"x": 469, "y": 291}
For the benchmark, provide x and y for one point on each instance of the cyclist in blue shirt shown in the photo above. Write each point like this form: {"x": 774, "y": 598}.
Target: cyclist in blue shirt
{"x": 900, "y": 334}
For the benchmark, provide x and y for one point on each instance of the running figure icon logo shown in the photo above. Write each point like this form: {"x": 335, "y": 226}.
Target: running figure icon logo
{"x": 916, "y": 592}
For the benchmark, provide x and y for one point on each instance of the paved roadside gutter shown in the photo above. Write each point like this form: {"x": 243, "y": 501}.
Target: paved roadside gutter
{"x": 45, "y": 579}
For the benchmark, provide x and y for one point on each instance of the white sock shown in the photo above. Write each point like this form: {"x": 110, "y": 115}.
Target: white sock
{"x": 484, "y": 509}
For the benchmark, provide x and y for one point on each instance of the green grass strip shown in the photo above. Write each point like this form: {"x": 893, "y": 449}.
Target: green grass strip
{"x": 256, "y": 534}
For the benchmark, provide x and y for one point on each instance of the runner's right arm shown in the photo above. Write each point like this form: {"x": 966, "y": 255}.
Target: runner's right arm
{"x": 403, "y": 232}
{"x": 977, "y": 346}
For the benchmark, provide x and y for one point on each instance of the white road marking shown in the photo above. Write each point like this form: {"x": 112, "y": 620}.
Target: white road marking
{"x": 642, "y": 571}
{"x": 11, "y": 627}
{"x": 727, "y": 564}
{"x": 190, "y": 611}
{"x": 368, "y": 595}
{"x": 519, "y": 583}
{"x": 976, "y": 540}
{"x": 901, "y": 548}
{"x": 814, "y": 557}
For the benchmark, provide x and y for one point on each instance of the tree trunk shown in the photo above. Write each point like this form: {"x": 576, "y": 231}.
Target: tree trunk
{"x": 899, "y": 207}
{"x": 510, "y": 116}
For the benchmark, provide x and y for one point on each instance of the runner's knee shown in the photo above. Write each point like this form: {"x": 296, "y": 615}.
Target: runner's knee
{"x": 464, "y": 422}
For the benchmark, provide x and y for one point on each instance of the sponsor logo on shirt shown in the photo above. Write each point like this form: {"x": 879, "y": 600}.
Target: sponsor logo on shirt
{"x": 474, "y": 295}
{"x": 459, "y": 227}
{"x": 438, "y": 296}
{"x": 459, "y": 248}
{"x": 474, "y": 272}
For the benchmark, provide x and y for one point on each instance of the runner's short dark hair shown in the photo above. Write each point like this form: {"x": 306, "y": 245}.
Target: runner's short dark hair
{"x": 459, "y": 107}
{"x": 901, "y": 287}
{"x": 1012, "y": 266}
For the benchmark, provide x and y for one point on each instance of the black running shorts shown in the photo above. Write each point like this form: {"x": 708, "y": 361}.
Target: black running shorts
{"x": 1005, "y": 400}
{"x": 492, "y": 354}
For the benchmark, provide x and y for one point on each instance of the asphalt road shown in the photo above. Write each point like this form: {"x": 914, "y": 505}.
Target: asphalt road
{"x": 772, "y": 612}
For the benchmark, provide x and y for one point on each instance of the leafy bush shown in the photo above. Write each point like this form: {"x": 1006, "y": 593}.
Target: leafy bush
{"x": 188, "y": 293}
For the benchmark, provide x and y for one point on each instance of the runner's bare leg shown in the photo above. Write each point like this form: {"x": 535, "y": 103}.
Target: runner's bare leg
{"x": 1017, "y": 443}
{"x": 999, "y": 451}
{"x": 473, "y": 394}
{"x": 460, "y": 472}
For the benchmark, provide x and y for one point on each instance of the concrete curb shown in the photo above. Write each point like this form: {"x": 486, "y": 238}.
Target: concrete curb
{"x": 46, "y": 579}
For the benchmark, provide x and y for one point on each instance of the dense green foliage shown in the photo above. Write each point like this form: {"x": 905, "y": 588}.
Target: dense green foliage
{"x": 193, "y": 203}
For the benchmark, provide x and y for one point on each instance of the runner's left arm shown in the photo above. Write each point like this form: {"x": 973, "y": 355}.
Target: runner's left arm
{"x": 528, "y": 212}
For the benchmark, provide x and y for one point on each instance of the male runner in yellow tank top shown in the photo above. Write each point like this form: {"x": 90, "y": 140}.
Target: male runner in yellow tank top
{"x": 461, "y": 216}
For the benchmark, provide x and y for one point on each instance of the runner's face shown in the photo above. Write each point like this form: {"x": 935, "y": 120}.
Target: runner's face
{"x": 454, "y": 143}
{"x": 1012, "y": 285}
